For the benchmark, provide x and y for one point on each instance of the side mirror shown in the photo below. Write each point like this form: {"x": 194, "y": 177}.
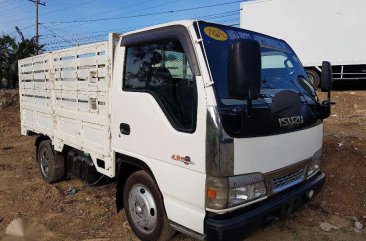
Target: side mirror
{"x": 327, "y": 83}
{"x": 327, "y": 77}
{"x": 244, "y": 70}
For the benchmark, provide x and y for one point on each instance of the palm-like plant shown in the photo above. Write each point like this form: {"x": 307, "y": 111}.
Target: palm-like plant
{"x": 11, "y": 51}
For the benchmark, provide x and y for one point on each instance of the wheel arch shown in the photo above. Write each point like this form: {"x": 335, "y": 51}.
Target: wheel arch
{"x": 38, "y": 141}
{"x": 314, "y": 68}
{"x": 125, "y": 167}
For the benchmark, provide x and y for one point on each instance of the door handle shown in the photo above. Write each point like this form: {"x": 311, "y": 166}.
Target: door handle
{"x": 124, "y": 128}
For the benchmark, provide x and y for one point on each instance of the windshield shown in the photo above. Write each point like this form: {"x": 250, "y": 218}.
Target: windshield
{"x": 281, "y": 68}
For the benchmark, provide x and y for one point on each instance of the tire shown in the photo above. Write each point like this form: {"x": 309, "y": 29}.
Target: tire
{"x": 51, "y": 163}
{"x": 144, "y": 208}
{"x": 314, "y": 77}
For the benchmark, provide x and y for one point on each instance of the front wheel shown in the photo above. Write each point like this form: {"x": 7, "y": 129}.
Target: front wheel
{"x": 145, "y": 209}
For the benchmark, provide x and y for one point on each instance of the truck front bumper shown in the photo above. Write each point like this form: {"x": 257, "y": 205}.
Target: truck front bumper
{"x": 239, "y": 224}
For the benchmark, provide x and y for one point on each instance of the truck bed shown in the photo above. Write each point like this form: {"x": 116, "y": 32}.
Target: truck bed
{"x": 65, "y": 95}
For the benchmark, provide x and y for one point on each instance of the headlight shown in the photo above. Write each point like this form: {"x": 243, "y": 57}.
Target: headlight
{"x": 228, "y": 192}
{"x": 314, "y": 164}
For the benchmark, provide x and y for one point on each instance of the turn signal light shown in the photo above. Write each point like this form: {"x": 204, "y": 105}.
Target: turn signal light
{"x": 211, "y": 193}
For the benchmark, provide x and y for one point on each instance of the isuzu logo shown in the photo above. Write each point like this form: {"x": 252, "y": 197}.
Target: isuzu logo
{"x": 291, "y": 121}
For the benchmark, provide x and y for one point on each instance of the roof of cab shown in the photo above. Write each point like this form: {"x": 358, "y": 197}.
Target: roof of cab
{"x": 185, "y": 23}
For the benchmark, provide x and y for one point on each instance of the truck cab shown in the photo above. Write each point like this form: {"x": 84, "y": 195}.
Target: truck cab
{"x": 213, "y": 154}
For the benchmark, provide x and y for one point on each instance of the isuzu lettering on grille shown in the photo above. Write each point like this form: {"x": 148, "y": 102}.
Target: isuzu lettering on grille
{"x": 291, "y": 121}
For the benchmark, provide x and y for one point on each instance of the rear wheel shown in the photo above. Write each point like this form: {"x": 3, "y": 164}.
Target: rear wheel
{"x": 145, "y": 209}
{"x": 314, "y": 77}
{"x": 51, "y": 163}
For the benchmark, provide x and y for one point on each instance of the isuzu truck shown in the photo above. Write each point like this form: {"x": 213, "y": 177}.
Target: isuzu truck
{"x": 207, "y": 129}
{"x": 328, "y": 29}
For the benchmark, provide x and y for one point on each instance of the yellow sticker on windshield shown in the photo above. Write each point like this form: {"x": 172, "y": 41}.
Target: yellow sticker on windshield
{"x": 216, "y": 33}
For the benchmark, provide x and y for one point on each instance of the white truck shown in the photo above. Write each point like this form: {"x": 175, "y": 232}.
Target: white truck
{"x": 207, "y": 129}
{"x": 317, "y": 30}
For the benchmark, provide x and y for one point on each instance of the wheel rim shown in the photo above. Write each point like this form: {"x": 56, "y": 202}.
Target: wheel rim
{"x": 311, "y": 79}
{"x": 142, "y": 208}
{"x": 45, "y": 162}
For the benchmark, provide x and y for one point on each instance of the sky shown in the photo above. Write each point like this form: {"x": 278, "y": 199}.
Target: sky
{"x": 65, "y": 23}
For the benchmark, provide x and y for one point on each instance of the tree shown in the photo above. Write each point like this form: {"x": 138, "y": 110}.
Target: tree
{"x": 11, "y": 51}
{"x": 7, "y": 67}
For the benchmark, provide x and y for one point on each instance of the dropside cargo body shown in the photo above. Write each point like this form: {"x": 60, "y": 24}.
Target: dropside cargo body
{"x": 156, "y": 99}
{"x": 65, "y": 95}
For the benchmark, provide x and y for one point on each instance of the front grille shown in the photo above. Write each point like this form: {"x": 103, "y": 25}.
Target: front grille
{"x": 288, "y": 180}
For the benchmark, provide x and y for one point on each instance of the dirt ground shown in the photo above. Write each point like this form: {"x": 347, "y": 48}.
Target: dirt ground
{"x": 90, "y": 214}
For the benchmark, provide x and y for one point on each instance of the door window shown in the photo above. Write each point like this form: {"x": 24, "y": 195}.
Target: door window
{"x": 162, "y": 69}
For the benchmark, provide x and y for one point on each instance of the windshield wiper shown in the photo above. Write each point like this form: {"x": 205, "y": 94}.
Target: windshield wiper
{"x": 304, "y": 92}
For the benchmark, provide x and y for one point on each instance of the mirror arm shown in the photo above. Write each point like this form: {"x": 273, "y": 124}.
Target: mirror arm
{"x": 249, "y": 107}
{"x": 328, "y": 101}
{"x": 329, "y": 91}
